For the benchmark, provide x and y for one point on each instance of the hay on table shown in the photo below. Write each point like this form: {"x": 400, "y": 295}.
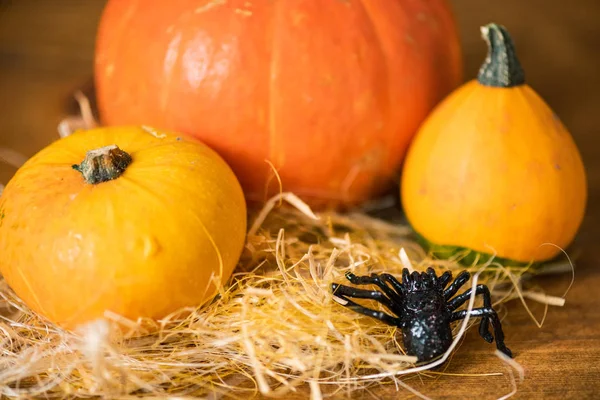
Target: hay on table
{"x": 274, "y": 328}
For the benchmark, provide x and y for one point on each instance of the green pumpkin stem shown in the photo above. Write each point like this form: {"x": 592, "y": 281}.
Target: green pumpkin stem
{"x": 103, "y": 164}
{"x": 501, "y": 67}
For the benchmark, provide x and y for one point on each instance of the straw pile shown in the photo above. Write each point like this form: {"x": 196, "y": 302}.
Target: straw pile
{"x": 273, "y": 329}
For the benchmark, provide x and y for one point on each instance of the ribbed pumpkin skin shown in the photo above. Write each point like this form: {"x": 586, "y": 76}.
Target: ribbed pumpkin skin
{"x": 330, "y": 92}
{"x": 494, "y": 170}
{"x": 142, "y": 245}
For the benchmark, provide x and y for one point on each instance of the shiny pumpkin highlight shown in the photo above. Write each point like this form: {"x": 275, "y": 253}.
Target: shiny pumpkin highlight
{"x": 328, "y": 92}
{"x": 129, "y": 220}
{"x": 493, "y": 169}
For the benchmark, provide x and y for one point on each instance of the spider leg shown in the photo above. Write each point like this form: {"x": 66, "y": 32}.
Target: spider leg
{"x": 445, "y": 278}
{"x": 381, "y": 316}
{"x": 374, "y": 279}
{"x": 484, "y": 326}
{"x": 460, "y": 280}
{"x": 405, "y": 277}
{"x": 493, "y": 316}
{"x": 391, "y": 279}
{"x": 432, "y": 276}
{"x": 365, "y": 294}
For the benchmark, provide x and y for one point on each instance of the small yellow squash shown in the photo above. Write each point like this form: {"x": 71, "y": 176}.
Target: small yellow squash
{"x": 493, "y": 169}
{"x": 129, "y": 220}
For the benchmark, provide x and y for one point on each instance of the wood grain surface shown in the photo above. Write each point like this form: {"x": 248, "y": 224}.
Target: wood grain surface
{"x": 46, "y": 52}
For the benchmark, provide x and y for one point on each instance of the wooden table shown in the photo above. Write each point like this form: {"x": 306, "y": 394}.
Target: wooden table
{"x": 46, "y": 51}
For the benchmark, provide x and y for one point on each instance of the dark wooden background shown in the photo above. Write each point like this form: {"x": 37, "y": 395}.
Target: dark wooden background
{"x": 46, "y": 52}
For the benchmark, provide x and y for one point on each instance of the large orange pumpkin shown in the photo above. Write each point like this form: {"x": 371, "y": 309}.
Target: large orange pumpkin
{"x": 330, "y": 92}
{"x": 144, "y": 224}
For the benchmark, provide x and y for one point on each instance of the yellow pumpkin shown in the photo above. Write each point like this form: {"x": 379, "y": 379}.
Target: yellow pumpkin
{"x": 493, "y": 169}
{"x": 129, "y": 220}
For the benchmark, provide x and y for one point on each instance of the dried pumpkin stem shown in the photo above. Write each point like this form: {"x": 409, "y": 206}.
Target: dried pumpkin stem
{"x": 501, "y": 67}
{"x": 103, "y": 164}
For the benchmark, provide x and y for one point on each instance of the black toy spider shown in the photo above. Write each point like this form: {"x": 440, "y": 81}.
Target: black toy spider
{"x": 424, "y": 308}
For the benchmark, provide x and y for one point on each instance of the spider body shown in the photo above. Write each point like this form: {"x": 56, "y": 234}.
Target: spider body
{"x": 424, "y": 307}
